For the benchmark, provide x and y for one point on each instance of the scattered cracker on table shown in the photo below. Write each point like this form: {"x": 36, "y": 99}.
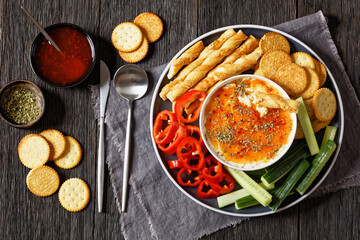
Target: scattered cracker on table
{"x": 151, "y": 25}
{"x": 271, "y": 61}
{"x": 56, "y": 142}
{"x": 137, "y": 55}
{"x": 292, "y": 78}
{"x": 321, "y": 71}
{"x": 313, "y": 84}
{"x": 74, "y": 194}
{"x": 324, "y": 104}
{"x": 43, "y": 181}
{"x": 126, "y": 37}
{"x": 274, "y": 41}
{"x": 33, "y": 150}
{"x": 71, "y": 156}
{"x": 303, "y": 59}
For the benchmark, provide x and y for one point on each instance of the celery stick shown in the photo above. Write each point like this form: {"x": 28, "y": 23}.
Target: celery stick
{"x": 258, "y": 192}
{"x": 330, "y": 133}
{"x": 230, "y": 198}
{"x": 307, "y": 128}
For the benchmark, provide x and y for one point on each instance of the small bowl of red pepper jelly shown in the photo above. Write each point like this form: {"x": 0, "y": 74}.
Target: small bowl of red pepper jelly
{"x": 69, "y": 67}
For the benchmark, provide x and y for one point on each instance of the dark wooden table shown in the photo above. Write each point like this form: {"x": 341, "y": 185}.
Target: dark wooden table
{"x": 25, "y": 216}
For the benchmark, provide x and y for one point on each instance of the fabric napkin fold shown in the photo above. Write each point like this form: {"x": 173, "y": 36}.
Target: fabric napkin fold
{"x": 156, "y": 207}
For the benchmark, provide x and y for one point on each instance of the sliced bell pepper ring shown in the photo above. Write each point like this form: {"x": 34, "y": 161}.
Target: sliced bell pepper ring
{"x": 175, "y": 164}
{"x": 213, "y": 165}
{"x": 226, "y": 188}
{"x": 194, "y": 151}
{"x": 188, "y": 183}
{"x": 161, "y": 136}
{"x": 184, "y": 101}
{"x": 190, "y": 130}
{"x": 170, "y": 148}
{"x": 211, "y": 193}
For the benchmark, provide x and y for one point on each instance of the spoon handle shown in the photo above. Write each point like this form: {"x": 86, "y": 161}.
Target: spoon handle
{"x": 100, "y": 166}
{"x": 127, "y": 159}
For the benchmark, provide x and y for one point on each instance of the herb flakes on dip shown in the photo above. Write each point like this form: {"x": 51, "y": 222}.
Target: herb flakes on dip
{"x": 245, "y": 123}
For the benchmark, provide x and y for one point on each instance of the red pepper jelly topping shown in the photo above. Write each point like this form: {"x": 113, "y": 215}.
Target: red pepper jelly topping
{"x": 69, "y": 65}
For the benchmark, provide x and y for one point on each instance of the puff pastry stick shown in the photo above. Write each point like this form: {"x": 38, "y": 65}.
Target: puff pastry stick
{"x": 185, "y": 58}
{"x": 207, "y": 51}
{"x": 210, "y": 62}
{"x": 239, "y": 66}
{"x": 275, "y": 101}
{"x": 247, "y": 47}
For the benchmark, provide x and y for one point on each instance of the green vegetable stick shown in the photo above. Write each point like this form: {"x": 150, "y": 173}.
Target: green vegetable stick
{"x": 307, "y": 128}
{"x": 330, "y": 133}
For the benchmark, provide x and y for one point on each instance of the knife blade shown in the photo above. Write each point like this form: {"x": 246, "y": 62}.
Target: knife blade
{"x": 104, "y": 92}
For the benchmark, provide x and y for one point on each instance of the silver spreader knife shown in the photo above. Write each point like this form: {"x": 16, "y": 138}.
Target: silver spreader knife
{"x": 104, "y": 92}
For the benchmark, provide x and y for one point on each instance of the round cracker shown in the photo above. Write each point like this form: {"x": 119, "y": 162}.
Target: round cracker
{"x": 272, "y": 60}
{"x": 313, "y": 84}
{"x": 33, "y": 150}
{"x": 299, "y": 132}
{"x": 151, "y": 25}
{"x": 137, "y": 55}
{"x": 309, "y": 108}
{"x": 126, "y": 37}
{"x": 274, "y": 41}
{"x": 292, "y": 78}
{"x": 71, "y": 156}
{"x": 317, "y": 125}
{"x": 303, "y": 59}
{"x": 74, "y": 194}
{"x": 56, "y": 142}
{"x": 324, "y": 104}
{"x": 43, "y": 181}
{"x": 321, "y": 72}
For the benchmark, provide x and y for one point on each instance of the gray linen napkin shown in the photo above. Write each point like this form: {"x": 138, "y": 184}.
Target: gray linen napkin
{"x": 156, "y": 207}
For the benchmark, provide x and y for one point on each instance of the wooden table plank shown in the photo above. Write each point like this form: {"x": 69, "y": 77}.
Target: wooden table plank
{"x": 25, "y": 216}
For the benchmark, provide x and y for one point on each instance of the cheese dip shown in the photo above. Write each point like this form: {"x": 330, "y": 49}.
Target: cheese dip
{"x": 241, "y": 130}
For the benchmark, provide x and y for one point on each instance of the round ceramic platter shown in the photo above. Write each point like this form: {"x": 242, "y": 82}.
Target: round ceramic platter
{"x": 158, "y": 105}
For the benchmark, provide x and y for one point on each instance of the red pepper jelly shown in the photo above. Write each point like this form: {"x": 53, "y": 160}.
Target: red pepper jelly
{"x": 68, "y": 66}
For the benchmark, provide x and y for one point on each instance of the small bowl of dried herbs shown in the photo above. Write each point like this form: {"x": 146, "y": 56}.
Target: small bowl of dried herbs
{"x": 22, "y": 103}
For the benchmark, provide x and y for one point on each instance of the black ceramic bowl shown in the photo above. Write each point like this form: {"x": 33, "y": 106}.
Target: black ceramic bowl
{"x": 38, "y": 39}
{"x": 40, "y": 100}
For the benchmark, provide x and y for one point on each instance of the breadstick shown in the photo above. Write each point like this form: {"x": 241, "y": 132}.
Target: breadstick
{"x": 187, "y": 57}
{"x": 239, "y": 66}
{"x": 275, "y": 101}
{"x": 247, "y": 47}
{"x": 207, "y": 51}
{"x": 210, "y": 62}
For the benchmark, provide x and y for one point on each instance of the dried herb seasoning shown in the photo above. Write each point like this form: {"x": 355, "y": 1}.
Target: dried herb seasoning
{"x": 20, "y": 105}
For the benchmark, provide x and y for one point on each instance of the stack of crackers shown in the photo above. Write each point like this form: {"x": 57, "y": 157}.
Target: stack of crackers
{"x": 300, "y": 75}
{"x": 35, "y": 150}
{"x": 132, "y": 39}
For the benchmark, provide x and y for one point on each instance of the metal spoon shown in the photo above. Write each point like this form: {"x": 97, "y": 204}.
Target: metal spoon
{"x": 131, "y": 83}
{"x": 41, "y": 29}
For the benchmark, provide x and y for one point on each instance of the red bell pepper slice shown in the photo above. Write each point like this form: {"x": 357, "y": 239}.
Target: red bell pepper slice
{"x": 175, "y": 164}
{"x": 190, "y": 130}
{"x": 193, "y": 151}
{"x": 188, "y": 172}
{"x": 186, "y": 100}
{"x": 210, "y": 193}
{"x": 226, "y": 188}
{"x": 171, "y": 147}
{"x": 161, "y": 136}
{"x": 213, "y": 166}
